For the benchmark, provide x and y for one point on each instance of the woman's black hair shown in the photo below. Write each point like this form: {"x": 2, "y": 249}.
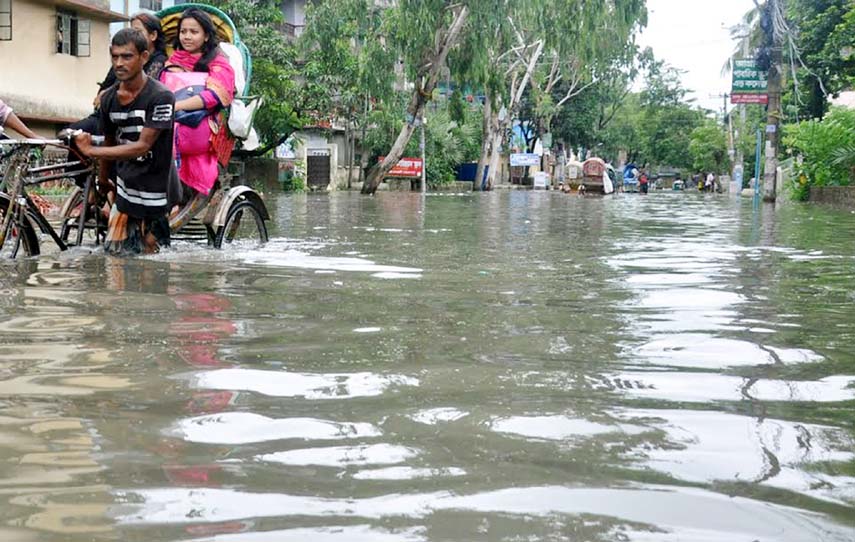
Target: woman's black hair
{"x": 152, "y": 24}
{"x": 209, "y": 48}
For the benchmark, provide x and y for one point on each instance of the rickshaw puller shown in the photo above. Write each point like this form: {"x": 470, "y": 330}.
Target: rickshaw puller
{"x": 137, "y": 118}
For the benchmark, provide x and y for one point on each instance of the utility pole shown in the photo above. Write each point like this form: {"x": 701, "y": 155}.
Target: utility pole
{"x": 424, "y": 158}
{"x": 739, "y": 162}
{"x": 770, "y": 172}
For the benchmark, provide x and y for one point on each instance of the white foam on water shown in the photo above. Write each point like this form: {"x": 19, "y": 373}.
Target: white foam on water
{"x": 305, "y": 385}
{"x": 246, "y": 427}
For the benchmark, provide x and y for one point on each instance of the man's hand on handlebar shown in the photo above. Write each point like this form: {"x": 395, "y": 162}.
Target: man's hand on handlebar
{"x": 83, "y": 140}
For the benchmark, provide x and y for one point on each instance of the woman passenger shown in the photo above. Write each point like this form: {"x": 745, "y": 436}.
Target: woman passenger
{"x": 196, "y": 50}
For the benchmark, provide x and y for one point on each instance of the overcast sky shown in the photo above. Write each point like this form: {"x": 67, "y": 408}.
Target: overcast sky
{"x": 692, "y": 35}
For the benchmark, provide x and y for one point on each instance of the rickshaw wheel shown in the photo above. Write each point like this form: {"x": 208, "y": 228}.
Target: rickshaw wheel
{"x": 21, "y": 239}
{"x": 244, "y": 223}
{"x": 72, "y": 204}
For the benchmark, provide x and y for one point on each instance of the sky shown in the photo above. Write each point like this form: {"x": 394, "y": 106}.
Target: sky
{"x": 693, "y": 35}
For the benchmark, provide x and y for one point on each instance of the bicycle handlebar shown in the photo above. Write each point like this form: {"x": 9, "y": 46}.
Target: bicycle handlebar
{"x": 30, "y": 142}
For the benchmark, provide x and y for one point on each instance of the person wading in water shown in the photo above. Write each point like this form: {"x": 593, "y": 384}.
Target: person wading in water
{"x": 137, "y": 118}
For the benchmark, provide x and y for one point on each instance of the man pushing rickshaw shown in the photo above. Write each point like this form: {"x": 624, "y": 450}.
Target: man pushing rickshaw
{"x": 160, "y": 131}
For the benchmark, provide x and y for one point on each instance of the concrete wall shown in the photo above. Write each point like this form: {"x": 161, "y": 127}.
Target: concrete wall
{"x": 835, "y": 195}
{"x": 38, "y": 82}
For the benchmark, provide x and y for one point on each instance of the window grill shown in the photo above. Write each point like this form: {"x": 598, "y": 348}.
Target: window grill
{"x": 72, "y": 34}
{"x": 151, "y": 5}
{"x": 5, "y": 20}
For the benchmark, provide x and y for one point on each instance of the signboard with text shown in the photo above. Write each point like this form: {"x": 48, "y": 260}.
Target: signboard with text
{"x": 406, "y": 167}
{"x": 525, "y": 159}
{"x": 749, "y": 83}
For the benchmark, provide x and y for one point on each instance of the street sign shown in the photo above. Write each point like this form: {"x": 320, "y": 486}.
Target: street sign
{"x": 525, "y": 159}
{"x": 406, "y": 167}
{"x": 749, "y": 83}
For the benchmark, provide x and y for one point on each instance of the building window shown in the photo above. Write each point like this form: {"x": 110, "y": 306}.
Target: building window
{"x": 152, "y": 5}
{"x": 5, "y": 20}
{"x": 72, "y": 34}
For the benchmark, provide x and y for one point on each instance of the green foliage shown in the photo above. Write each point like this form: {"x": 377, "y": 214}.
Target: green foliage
{"x": 826, "y": 34}
{"x": 823, "y": 150}
{"x": 294, "y": 178}
{"x": 708, "y": 148}
{"x": 273, "y": 61}
{"x": 448, "y": 142}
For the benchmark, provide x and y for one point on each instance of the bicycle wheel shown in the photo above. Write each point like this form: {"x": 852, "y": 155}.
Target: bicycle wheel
{"x": 71, "y": 209}
{"x": 244, "y": 224}
{"x": 21, "y": 238}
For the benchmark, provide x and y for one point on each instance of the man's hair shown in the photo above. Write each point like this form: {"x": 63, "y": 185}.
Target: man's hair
{"x": 130, "y": 36}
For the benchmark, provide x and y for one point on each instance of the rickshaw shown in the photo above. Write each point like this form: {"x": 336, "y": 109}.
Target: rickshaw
{"x": 573, "y": 173}
{"x": 595, "y": 177}
{"x": 231, "y": 212}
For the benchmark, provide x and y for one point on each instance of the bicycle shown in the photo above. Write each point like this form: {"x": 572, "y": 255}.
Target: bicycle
{"x": 228, "y": 214}
{"x": 21, "y": 220}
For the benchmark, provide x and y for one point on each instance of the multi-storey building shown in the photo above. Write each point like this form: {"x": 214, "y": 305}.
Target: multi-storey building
{"x": 53, "y": 54}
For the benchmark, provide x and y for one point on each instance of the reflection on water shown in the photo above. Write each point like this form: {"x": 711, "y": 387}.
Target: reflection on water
{"x": 515, "y": 366}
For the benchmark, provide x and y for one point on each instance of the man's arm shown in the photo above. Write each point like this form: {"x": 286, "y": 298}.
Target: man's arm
{"x": 127, "y": 151}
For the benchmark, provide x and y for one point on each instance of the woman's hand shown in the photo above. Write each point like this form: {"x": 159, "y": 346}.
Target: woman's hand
{"x": 190, "y": 104}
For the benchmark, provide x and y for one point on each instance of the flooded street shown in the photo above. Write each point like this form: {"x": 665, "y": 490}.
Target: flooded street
{"x": 507, "y": 366}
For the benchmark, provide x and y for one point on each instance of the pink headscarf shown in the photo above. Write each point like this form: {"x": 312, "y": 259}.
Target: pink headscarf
{"x": 221, "y": 76}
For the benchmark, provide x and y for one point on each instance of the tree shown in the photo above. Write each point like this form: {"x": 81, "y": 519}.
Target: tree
{"x": 708, "y": 147}
{"x": 427, "y": 52}
{"x": 347, "y": 66}
{"x": 826, "y": 64}
{"x": 274, "y": 73}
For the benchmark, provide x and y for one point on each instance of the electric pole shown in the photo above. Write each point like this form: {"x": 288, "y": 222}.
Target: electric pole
{"x": 773, "y": 10}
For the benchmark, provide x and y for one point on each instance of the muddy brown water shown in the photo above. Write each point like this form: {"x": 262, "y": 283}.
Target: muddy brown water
{"x": 508, "y": 366}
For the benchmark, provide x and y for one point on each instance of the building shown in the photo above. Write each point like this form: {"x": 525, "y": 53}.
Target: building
{"x": 130, "y": 7}
{"x": 53, "y": 56}
{"x": 294, "y": 13}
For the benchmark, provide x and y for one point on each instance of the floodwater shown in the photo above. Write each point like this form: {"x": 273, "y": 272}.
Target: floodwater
{"x": 508, "y": 366}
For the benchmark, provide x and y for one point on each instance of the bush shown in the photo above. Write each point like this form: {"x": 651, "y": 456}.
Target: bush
{"x": 819, "y": 147}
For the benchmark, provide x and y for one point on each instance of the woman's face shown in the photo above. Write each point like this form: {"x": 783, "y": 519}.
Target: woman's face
{"x": 149, "y": 36}
{"x": 192, "y": 36}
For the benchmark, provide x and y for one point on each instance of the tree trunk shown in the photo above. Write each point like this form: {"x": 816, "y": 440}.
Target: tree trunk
{"x": 415, "y": 109}
{"x": 770, "y": 173}
{"x": 486, "y": 139}
{"x": 499, "y": 129}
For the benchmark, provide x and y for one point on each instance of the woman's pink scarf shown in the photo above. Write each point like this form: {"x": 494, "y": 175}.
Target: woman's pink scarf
{"x": 221, "y": 76}
{"x": 197, "y": 157}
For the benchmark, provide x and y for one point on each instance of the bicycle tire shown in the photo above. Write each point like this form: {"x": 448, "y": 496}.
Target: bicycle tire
{"x": 21, "y": 238}
{"x": 228, "y": 232}
{"x": 71, "y": 203}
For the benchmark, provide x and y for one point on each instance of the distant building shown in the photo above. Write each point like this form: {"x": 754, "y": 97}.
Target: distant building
{"x": 54, "y": 54}
{"x": 294, "y": 13}
{"x": 129, "y": 7}
{"x": 845, "y": 99}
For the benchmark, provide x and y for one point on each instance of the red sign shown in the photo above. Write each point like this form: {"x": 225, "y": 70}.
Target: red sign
{"x": 749, "y": 98}
{"x": 406, "y": 167}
